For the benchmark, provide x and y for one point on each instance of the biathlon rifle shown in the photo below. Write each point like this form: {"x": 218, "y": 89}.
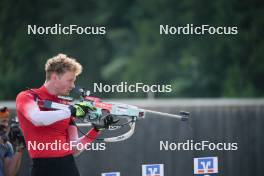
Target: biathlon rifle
{"x": 118, "y": 111}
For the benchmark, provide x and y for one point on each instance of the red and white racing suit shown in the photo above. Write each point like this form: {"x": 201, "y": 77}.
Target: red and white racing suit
{"x": 42, "y": 126}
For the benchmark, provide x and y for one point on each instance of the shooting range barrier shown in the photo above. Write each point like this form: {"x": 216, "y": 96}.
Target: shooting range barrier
{"x": 238, "y": 121}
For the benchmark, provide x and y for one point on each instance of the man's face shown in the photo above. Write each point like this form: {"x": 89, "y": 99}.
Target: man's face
{"x": 64, "y": 83}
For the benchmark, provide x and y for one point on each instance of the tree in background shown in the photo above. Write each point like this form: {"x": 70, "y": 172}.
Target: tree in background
{"x": 133, "y": 50}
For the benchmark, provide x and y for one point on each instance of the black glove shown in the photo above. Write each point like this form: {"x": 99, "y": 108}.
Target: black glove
{"x": 107, "y": 121}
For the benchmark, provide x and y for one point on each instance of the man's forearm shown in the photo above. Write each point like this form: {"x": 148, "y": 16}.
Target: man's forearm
{"x": 30, "y": 109}
{"x": 43, "y": 118}
{"x": 87, "y": 138}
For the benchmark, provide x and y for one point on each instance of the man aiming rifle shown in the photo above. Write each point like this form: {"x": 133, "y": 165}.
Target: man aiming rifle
{"x": 45, "y": 126}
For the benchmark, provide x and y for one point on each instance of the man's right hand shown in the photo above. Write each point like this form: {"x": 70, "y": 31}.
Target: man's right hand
{"x": 79, "y": 110}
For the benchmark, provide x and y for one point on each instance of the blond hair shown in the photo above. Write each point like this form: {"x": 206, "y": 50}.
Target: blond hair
{"x": 60, "y": 64}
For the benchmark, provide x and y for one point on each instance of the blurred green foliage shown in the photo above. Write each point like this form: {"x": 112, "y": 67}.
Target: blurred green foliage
{"x": 133, "y": 50}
